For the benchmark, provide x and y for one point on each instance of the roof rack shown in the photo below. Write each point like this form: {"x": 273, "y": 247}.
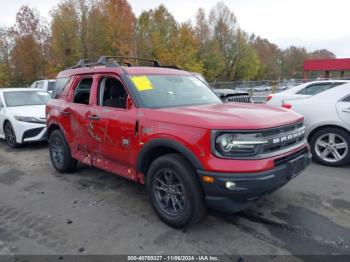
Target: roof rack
{"x": 118, "y": 61}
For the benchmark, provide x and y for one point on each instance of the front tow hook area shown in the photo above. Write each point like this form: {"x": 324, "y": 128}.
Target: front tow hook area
{"x": 297, "y": 165}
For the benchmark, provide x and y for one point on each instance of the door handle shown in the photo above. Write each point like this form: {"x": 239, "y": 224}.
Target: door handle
{"x": 65, "y": 113}
{"x": 94, "y": 117}
{"x": 346, "y": 110}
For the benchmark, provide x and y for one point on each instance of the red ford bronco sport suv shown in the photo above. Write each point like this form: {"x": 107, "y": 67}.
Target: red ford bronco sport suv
{"x": 166, "y": 129}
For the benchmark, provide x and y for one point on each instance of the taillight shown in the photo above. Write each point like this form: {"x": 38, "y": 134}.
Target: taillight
{"x": 288, "y": 106}
{"x": 269, "y": 98}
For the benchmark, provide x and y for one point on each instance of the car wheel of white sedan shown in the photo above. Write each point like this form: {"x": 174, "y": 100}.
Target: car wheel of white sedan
{"x": 10, "y": 136}
{"x": 331, "y": 146}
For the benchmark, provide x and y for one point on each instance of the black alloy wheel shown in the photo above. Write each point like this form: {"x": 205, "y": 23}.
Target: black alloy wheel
{"x": 10, "y": 136}
{"x": 169, "y": 191}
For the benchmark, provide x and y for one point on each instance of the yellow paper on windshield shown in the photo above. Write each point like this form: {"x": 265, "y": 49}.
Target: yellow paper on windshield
{"x": 142, "y": 83}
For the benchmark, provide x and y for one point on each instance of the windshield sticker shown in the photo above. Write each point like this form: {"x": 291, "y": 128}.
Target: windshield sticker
{"x": 142, "y": 83}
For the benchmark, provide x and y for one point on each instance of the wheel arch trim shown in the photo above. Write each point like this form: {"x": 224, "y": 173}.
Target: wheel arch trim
{"x": 318, "y": 127}
{"x": 176, "y": 146}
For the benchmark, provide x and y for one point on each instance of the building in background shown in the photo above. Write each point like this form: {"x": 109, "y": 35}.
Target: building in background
{"x": 325, "y": 66}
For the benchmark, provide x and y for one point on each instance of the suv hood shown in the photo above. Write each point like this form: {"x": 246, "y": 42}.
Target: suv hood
{"x": 28, "y": 111}
{"x": 226, "y": 116}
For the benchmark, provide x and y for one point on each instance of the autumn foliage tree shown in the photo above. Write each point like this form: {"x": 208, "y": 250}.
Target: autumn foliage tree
{"x": 89, "y": 29}
{"x": 5, "y": 50}
{"x": 161, "y": 37}
{"x": 247, "y": 62}
{"x": 214, "y": 44}
{"x": 293, "y": 61}
{"x": 119, "y": 24}
{"x": 209, "y": 52}
{"x": 156, "y": 33}
{"x": 28, "y": 55}
{"x": 223, "y": 25}
{"x": 270, "y": 57}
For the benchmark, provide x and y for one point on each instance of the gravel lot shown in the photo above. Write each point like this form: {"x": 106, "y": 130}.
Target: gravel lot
{"x": 94, "y": 212}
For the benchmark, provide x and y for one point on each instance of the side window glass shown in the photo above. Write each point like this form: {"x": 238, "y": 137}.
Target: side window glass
{"x": 50, "y": 85}
{"x": 315, "y": 89}
{"x": 111, "y": 93}
{"x": 337, "y": 84}
{"x": 40, "y": 85}
{"x": 347, "y": 99}
{"x": 82, "y": 91}
{"x": 302, "y": 91}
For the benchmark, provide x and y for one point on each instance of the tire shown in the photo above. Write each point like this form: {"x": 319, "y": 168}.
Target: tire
{"x": 184, "y": 192}
{"x": 10, "y": 136}
{"x": 330, "y": 146}
{"x": 60, "y": 153}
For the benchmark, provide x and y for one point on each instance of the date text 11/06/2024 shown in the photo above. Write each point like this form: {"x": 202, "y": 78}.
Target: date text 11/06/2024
{"x": 173, "y": 258}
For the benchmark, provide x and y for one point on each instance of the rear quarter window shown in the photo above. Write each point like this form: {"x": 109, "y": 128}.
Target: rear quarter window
{"x": 338, "y": 83}
{"x": 59, "y": 86}
{"x": 346, "y": 99}
{"x": 315, "y": 89}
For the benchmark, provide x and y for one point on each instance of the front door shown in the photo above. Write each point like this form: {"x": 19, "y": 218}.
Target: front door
{"x": 114, "y": 128}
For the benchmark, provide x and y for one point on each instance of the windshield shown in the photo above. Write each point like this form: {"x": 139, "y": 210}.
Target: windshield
{"x": 159, "y": 91}
{"x": 201, "y": 77}
{"x": 25, "y": 98}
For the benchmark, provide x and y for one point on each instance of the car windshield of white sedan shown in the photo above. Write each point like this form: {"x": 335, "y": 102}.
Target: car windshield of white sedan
{"x": 25, "y": 98}
{"x": 161, "y": 91}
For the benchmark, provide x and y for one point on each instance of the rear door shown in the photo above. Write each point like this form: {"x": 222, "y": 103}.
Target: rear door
{"x": 75, "y": 117}
{"x": 343, "y": 108}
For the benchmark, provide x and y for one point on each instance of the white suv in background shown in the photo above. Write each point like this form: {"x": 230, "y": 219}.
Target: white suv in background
{"x": 327, "y": 121}
{"x": 45, "y": 85}
{"x": 303, "y": 91}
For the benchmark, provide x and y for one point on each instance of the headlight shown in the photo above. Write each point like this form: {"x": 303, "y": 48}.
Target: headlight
{"x": 29, "y": 119}
{"x": 235, "y": 144}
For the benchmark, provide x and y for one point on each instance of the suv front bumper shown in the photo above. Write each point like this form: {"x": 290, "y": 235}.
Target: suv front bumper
{"x": 250, "y": 187}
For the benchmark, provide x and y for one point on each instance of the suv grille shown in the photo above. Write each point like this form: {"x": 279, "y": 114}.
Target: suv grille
{"x": 286, "y": 159}
{"x": 239, "y": 99}
{"x": 283, "y": 137}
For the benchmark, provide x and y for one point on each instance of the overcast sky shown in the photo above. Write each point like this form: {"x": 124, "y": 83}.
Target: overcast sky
{"x": 314, "y": 24}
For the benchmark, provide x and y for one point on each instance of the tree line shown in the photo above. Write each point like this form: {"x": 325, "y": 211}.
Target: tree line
{"x": 213, "y": 44}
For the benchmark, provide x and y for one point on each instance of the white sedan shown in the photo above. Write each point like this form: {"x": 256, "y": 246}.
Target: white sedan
{"x": 22, "y": 115}
{"x": 303, "y": 91}
{"x": 327, "y": 120}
